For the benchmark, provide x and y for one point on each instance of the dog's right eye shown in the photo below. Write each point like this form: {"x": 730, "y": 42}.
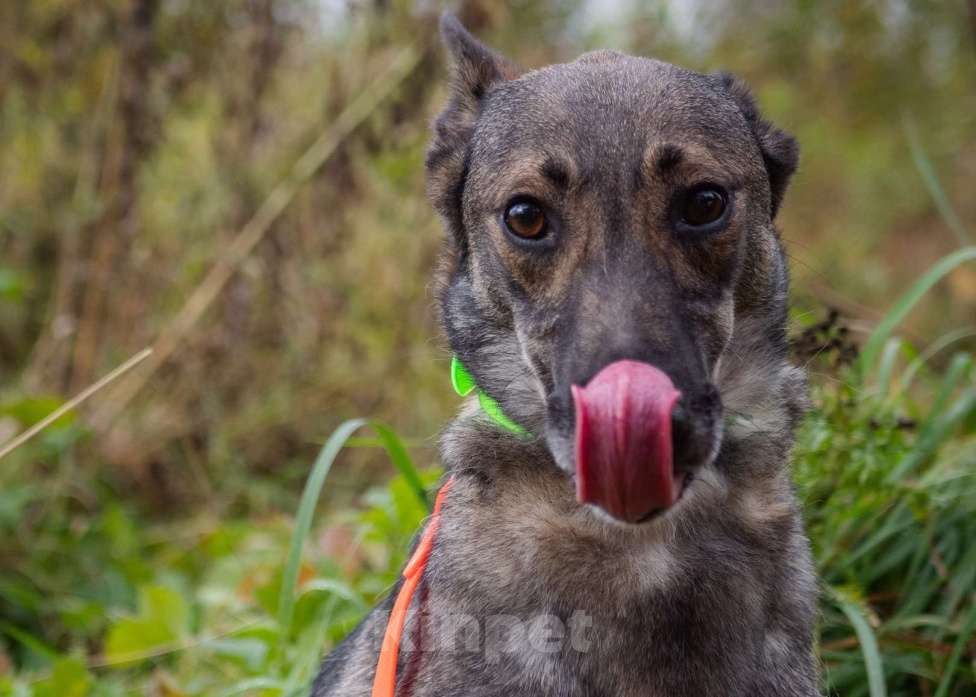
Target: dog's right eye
{"x": 526, "y": 220}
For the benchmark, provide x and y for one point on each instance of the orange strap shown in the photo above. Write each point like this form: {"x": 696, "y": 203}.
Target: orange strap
{"x": 384, "y": 684}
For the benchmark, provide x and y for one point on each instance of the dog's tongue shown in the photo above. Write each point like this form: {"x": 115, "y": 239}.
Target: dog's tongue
{"x": 623, "y": 440}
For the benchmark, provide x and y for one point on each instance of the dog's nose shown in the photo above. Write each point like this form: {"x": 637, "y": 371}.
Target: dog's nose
{"x": 693, "y": 425}
{"x": 681, "y": 428}
{"x": 706, "y": 401}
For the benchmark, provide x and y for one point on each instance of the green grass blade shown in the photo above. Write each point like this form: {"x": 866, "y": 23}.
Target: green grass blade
{"x": 398, "y": 455}
{"x": 959, "y": 586}
{"x": 932, "y": 349}
{"x": 367, "y": 442}
{"x": 251, "y": 686}
{"x": 895, "y": 523}
{"x": 892, "y": 348}
{"x": 907, "y": 302}
{"x": 306, "y": 655}
{"x": 313, "y": 490}
{"x": 303, "y": 521}
{"x": 933, "y": 436}
{"x": 869, "y": 647}
{"x": 961, "y": 641}
{"x": 924, "y": 166}
{"x": 336, "y": 589}
{"x": 28, "y": 640}
{"x": 957, "y": 374}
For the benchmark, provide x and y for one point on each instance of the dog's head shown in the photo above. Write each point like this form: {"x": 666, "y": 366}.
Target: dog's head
{"x": 611, "y": 244}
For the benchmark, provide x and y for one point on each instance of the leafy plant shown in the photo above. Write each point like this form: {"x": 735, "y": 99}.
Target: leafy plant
{"x": 885, "y": 465}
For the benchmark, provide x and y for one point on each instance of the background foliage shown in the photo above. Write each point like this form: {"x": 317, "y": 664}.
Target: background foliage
{"x": 145, "y": 535}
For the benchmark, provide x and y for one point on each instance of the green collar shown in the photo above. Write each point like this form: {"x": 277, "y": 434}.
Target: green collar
{"x": 464, "y": 385}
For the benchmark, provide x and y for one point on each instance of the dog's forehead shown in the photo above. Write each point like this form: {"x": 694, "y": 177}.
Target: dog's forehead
{"x": 607, "y": 102}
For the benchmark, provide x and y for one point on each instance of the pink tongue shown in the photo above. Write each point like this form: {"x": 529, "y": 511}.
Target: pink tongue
{"x": 623, "y": 440}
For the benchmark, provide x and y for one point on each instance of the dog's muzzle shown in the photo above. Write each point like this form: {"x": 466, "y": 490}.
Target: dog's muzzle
{"x": 638, "y": 438}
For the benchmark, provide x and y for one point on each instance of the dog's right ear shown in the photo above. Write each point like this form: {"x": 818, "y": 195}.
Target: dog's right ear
{"x": 475, "y": 68}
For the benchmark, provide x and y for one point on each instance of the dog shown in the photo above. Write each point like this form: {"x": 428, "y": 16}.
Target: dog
{"x": 613, "y": 282}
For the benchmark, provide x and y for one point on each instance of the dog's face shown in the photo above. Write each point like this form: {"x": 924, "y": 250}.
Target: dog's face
{"x": 611, "y": 221}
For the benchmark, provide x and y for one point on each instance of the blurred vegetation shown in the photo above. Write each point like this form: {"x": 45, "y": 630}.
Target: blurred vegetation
{"x": 144, "y": 546}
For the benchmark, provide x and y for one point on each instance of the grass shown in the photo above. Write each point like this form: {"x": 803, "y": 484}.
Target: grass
{"x": 890, "y": 500}
{"x": 885, "y": 468}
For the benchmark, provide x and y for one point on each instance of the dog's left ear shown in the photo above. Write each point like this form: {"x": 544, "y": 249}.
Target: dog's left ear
{"x": 475, "y": 68}
{"x": 780, "y": 151}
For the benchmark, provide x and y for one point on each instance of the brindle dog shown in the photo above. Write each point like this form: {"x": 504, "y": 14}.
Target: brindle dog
{"x": 614, "y": 280}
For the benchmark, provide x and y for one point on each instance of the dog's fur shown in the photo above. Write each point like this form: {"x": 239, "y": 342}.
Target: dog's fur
{"x": 716, "y": 596}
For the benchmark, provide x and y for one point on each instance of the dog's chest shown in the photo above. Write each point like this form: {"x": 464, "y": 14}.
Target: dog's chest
{"x": 554, "y": 654}
{"x": 533, "y": 613}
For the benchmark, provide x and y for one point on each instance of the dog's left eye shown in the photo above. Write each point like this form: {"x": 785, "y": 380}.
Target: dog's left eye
{"x": 703, "y": 208}
{"x": 526, "y": 220}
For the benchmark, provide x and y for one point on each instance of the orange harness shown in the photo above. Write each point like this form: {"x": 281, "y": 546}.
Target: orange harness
{"x": 384, "y": 684}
